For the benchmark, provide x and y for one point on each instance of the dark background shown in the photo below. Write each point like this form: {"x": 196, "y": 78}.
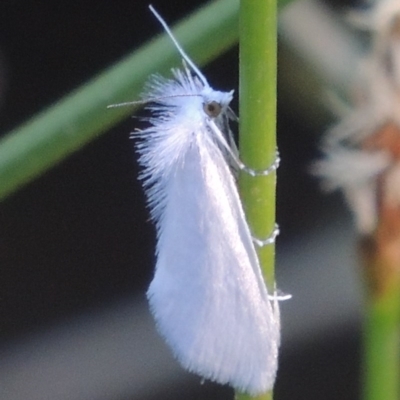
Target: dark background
{"x": 78, "y": 237}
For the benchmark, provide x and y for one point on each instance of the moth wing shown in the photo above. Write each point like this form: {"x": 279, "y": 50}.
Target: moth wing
{"x": 207, "y": 296}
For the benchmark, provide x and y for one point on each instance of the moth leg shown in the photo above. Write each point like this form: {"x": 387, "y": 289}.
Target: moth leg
{"x": 269, "y": 240}
{"x": 234, "y": 156}
{"x": 264, "y": 172}
{"x": 279, "y": 296}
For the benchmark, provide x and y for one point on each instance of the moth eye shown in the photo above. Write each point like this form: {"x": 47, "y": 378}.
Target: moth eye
{"x": 212, "y": 109}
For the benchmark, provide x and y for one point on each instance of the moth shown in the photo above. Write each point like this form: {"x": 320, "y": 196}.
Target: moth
{"x": 208, "y": 296}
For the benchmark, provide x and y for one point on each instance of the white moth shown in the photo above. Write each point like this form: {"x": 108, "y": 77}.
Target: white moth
{"x": 208, "y": 295}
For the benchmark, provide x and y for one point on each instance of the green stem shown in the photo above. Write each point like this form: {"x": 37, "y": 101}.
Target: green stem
{"x": 382, "y": 346}
{"x": 258, "y": 45}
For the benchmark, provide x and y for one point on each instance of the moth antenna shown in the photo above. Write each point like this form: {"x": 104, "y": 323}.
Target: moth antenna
{"x": 151, "y": 100}
{"x": 178, "y": 46}
{"x": 128, "y": 103}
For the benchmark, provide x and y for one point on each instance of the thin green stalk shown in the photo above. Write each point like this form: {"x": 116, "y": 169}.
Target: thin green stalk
{"x": 257, "y": 140}
{"x": 382, "y": 347}
{"x": 63, "y": 128}
{"x": 381, "y": 344}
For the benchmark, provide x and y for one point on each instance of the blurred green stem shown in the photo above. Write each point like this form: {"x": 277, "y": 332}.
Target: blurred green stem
{"x": 257, "y": 139}
{"x": 381, "y": 344}
{"x": 382, "y": 347}
{"x": 63, "y": 128}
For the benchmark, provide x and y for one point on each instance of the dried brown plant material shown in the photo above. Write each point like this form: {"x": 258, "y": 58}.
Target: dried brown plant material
{"x": 362, "y": 152}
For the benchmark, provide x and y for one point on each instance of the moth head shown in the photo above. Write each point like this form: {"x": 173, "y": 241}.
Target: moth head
{"x": 215, "y": 103}
{"x": 212, "y": 109}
